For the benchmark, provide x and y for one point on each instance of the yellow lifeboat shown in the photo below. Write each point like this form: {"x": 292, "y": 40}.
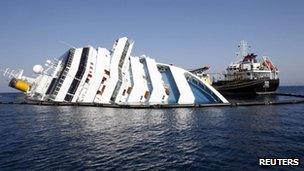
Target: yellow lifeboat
{"x": 19, "y": 84}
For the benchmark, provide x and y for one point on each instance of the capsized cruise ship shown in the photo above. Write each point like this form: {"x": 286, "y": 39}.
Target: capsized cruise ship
{"x": 89, "y": 75}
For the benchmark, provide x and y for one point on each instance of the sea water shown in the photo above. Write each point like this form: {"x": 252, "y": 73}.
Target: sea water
{"x": 214, "y": 138}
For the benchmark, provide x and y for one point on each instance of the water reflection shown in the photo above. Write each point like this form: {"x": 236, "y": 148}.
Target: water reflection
{"x": 183, "y": 118}
{"x": 92, "y": 138}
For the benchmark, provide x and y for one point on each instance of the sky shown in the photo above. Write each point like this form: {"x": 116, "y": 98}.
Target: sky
{"x": 186, "y": 33}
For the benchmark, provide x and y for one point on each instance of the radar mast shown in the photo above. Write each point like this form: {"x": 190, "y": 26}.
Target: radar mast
{"x": 244, "y": 48}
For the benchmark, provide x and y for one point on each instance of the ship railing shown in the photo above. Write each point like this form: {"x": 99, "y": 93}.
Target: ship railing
{"x": 11, "y": 73}
{"x": 216, "y": 76}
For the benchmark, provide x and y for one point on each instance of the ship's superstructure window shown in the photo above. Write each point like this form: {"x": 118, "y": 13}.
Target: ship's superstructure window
{"x": 129, "y": 89}
{"x": 79, "y": 74}
{"x": 120, "y": 65}
{"x": 52, "y": 85}
{"x": 82, "y": 64}
{"x": 62, "y": 75}
{"x": 201, "y": 92}
{"x": 100, "y": 92}
{"x": 107, "y": 72}
{"x": 103, "y": 80}
{"x": 115, "y": 93}
{"x": 73, "y": 86}
{"x": 68, "y": 97}
{"x": 147, "y": 75}
{"x": 169, "y": 84}
{"x": 123, "y": 55}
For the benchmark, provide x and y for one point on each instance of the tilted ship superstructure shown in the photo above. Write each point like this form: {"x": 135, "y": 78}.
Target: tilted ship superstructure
{"x": 89, "y": 75}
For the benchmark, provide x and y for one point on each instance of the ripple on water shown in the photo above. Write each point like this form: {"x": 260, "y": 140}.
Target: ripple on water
{"x": 66, "y": 137}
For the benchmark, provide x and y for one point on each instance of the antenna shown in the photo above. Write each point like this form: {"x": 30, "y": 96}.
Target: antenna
{"x": 67, "y": 44}
{"x": 10, "y": 73}
{"x": 243, "y": 50}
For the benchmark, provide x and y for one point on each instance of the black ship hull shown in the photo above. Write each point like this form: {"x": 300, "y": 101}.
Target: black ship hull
{"x": 257, "y": 86}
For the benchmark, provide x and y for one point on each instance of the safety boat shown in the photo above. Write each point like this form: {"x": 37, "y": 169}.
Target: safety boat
{"x": 89, "y": 75}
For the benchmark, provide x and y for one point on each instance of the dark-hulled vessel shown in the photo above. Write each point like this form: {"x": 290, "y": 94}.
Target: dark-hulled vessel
{"x": 248, "y": 75}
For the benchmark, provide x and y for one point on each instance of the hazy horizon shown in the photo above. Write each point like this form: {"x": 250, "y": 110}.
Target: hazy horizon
{"x": 188, "y": 34}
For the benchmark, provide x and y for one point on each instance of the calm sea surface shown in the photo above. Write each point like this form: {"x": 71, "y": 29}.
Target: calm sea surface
{"x": 78, "y": 138}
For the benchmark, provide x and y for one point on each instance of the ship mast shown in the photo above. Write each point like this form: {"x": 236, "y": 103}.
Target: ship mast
{"x": 243, "y": 50}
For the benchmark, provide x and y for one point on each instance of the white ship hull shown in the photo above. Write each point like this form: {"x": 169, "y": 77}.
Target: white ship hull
{"x": 89, "y": 75}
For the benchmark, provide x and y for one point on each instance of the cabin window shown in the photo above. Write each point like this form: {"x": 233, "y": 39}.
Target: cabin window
{"x": 100, "y": 92}
{"x": 103, "y": 80}
{"x": 167, "y": 90}
{"x": 107, "y": 72}
{"x": 129, "y": 90}
{"x": 68, "y": 98}
{"x": 82, "y": 63}
{"x": 147, "y": 93}
{"x": 65, "y": 72}
{"x": 74, "y": 86}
